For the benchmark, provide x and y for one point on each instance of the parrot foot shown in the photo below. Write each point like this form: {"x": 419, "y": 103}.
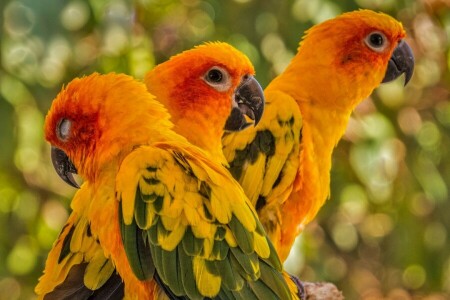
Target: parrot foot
{"x": 301, "y": 288}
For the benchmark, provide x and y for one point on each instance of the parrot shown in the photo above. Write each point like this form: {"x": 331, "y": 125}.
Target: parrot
{"x": 158, "y": 216}
{"x": 284, "y": 163}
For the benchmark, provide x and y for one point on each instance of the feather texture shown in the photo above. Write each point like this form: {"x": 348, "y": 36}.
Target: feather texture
{"x": 186, "y": 242}
{"x": 158, "y": 208}
{"x": 76, "y": 267}
{"x": 284, "y": 163}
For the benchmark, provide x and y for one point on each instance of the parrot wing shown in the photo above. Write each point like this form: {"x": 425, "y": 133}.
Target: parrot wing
{"x": 187, "y": 223}
{"x": 76, "y": 267}
{"x": 265, "y": 160}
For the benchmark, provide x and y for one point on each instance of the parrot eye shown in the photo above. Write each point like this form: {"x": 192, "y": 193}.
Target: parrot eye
{"x": 376, "y": 41}
{"x": 63, "y": 129}
{"x": 214, "y": 76}
{"x": 218, "y": 78}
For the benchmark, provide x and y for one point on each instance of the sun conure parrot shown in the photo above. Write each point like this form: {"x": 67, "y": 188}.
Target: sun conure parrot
{"x": 181, "y": 225}
{"x": 284, "y": 163}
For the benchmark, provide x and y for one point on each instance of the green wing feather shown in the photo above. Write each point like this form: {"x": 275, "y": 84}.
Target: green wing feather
{"x": 193, "y": 225}
{"x": 137, "y": 249}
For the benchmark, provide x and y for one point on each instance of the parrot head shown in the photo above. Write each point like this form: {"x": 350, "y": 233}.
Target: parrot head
{"x": 352, "y": 54}
{"x": 212, "y": 83}
{"x": 88, "y": 124}
{"x": 208, "y": 89}
{"x": 366, "y": 38}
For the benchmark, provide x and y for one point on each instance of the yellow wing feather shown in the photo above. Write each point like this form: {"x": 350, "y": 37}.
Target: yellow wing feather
{"x": 196, "y": 222}
{"x": 264, "y": 159}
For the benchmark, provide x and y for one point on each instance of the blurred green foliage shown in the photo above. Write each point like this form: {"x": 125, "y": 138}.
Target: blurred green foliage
{"x": 385, "y": 231}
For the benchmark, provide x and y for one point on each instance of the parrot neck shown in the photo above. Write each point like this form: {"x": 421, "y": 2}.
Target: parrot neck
{"x": 326, "y": 82}
{"x": 325, "y": 103}
{"x": 203, "y": 134}
{"x": 326, "y": 93}
{"x": 326, "y": 100}
{"x": 322, "y": 130}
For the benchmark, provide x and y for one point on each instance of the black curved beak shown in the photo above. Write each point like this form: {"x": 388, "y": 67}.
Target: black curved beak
{"x": 402, "y": 61}
{"x": 64, "y": 167}
{"x": 248, "y": 101}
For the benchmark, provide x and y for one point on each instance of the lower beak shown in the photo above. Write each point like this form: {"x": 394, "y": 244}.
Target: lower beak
{"x": 248, "y": 101}
{"x": 64, "y": 167}
{"x": 402, "y": 61}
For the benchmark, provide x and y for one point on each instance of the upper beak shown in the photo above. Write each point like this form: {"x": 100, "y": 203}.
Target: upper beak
{"x": 64, "y": 167}
{"x": 248, "y": 100}
{"x": 402, "y": 61}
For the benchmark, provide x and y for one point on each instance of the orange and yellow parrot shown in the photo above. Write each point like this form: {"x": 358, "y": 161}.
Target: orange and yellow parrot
{"x": 162, "y": 212}
{"x": 284, "y": 163}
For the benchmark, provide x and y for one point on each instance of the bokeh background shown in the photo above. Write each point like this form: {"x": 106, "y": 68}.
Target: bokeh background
{"x": 385, "y": 231}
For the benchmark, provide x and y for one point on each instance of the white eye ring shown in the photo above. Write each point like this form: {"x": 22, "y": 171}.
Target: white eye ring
{"x": 63, "y": 129}
{"x": 376, "y": 41}
{"x": 218, "y": 78}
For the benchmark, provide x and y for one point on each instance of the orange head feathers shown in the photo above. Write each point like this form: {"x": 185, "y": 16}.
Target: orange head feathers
{"x": 204, "y": 90}
{"x": 89, "y": 121}
{"x": 210, "y": 88}
{"x": 349, "y": 56}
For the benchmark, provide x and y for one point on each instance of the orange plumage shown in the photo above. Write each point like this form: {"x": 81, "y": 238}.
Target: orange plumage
{"x": 151, "y": 199}
{"x": 97, "y": 148}
{"x": 197, "y": 112}
{"x": 284, "y": 163}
